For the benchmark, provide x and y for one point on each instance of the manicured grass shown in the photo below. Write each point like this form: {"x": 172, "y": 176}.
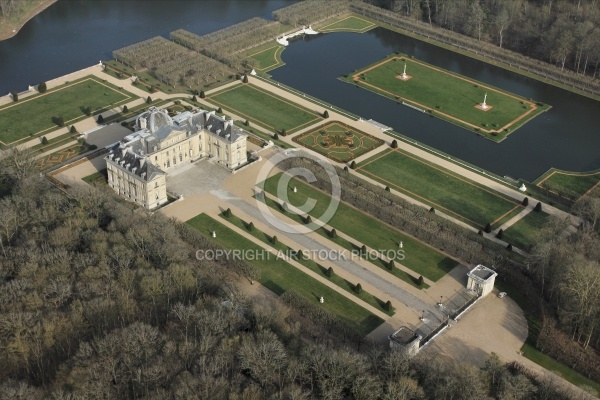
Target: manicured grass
{"x": 419, "y": 257}
{"x": 349, "y": 24}
{"x": 437, "y": 187}
{"x": 448, "y": 96}
{"x": 353, "y": 248}
{"x": 36, "y": 114}
{"x": 279, "y": 276}
{"x": 310, "y": 264}
{"x": 96, "y": 177}
{"x": 269, "y": 58}
{"x": 576, "y": 184}
{"x": 338, "y": 141}
{"x": 265, "y": 109}
{"x": 522, "y": 234}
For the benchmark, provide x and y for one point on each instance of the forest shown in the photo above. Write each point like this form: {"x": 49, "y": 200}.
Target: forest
{"x": 102, "y": 301}
{"x": 565, "y": 33}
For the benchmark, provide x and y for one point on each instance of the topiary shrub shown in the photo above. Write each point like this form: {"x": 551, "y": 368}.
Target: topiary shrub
{"x": 329, "y": 272}
{"x": 538, "y": 207}
{"x": 283, "y": 132}
{"x": 394, "y": 144}
{"x": 251, "y": 226}
{"x": 274, "y": 239}
{"x": 420, "y": 281}
{"x": 44, "y": 140}
{"x": 60, "y": 121}
{"x": 326, "y": 114}
{"x": 432, "y": 210}
{"x": 148, "y": 100}
{"x": 100, "y": 119}
{"x": 276, "y": 136}
{"x": 333, "y": 233}
{"x": 525, "y": 202}
{"x": 387, "y": 188}
{"x": 42, "y": 87}
{"x": 245, "y": 79}
{"x": 308, "y": 219}
{"x": 358, "y": 288}
{"x": 388, "y": 305}
{"x": 346, "y": 168}
{"x": 500, "y": 234}
{"x": 353, "y": 164}
{"x": 15, "y": 96}
{"x": 73, "y": 129}
{"x": 391, "y": 265}
{"x": 363, "y": 249}
{"x": 488, "y": 228}
{"x": 247, "y": 123}
{"x": 509, "y": 247}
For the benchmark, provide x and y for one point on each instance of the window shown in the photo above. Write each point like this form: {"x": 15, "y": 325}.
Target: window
{"x": 174, "y": 160}
{"x": 180, "y": 157}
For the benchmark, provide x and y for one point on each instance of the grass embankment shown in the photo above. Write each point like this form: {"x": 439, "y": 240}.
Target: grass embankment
{"x": 38, "y": 114}
{"x": 349, "y": 23}
{"x": 575, "y": 183}
{"x": 523, "y": 233}
{"x": 309, "y": 263}
{"x": 448, "y": 96}
{"x": 279, "y": 276}
{"x": 420, "y": 258}
{"x": 338, "y": 141}
{"x": 267, "y": 57}
{"x": 265, "y": 109}
{"x": 460, "y": 197}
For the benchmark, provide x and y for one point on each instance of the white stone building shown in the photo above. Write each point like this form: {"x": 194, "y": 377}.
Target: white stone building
{"x": 138, "y": 166}
{"x": 481, "y": 280}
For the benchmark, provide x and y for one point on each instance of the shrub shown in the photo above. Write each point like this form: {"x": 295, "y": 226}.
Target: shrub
{"x": 247, "y": 123}
{"x": 391, "y": 265}
{"x": 245, "y": 79}
{"x": 538, "y": 207}
{"x": 358, "y": 288}
{"x": 283, "y": 132}
{"x": 388, "y": 305}
{"x": 346, "y": 168}
{"x": 509, "y": 247}
{"x": 73, "y": 129}
{"x": 100, "y": 119}
{"x": 274, "y": 239}
{"x": 42, "y": 87}
{"x": 202, "y": 94}
{"x": 220, "y": 110}
{"x": 387, "y": 188}
{"x": 420, "y": 280}
{"x": 329, "y": 272}
{"x": 432, "y": 210}
{"x": 308, "y": 219}
{"x": 44, "y": 141}
{"x": 363, "y": 249}
{"x": 276, "y": 136}
{"x": 125, "y": 109}
{"x": 60, "y": 121}
{"x": 333, "y": 233}
{"x": 500, "y": 234}
{"x": 15, "y": 96}
{"x": 88, "y": 111}
{"x": 326, "y": 114}
{"x": 480, "y": 232}
{"x": 93, "y": 147}
{"x": 149, "y": 100}
{"x": 227, "y": 213}
{"x": 353, "y": 164}
{"x": 194, "y": 98}
{"x": 525, "y": 202}
{"x": 488, "y": 228}
{"x": 394, "y": 144}
{"x": 251, "y": 226}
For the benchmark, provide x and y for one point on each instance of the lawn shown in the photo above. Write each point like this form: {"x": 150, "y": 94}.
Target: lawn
{"x": 279, "y": 276}
{"x": 447, "y": 95}
{"x": 269, "y": 58}
{"x": 348, "y": 24}
{"x": 439, "y": 188}
{"x": 265, "y": 109}
{"x": 575, "y": 184}
{"x": 338, "y": 141}
{"x": 420, "y": 258}
{"x": 99, "y": 177}
{"x": 523, "y": 233}
{"x": 309, "y": 263}
{"x": 37, "y": 114}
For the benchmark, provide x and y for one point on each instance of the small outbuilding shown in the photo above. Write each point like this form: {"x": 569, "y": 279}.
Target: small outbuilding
{"x": 481, "y": 280}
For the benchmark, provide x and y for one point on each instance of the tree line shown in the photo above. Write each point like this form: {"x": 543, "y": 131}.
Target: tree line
{"x": 564, "y": 33}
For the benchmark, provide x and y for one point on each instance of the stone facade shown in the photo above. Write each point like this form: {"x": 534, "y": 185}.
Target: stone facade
{"x": 138, "y": 165}
{"x": 481, "y": 280}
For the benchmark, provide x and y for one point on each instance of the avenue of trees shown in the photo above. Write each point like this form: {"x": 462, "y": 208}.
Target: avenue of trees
{"x": 561, "y": 280}
{"x": 310, "y": 11}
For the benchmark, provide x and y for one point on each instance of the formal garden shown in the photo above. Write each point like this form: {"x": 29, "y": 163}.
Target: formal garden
{"x": 280, "y": 276}
{"x": 487, "y": 110}
{"x": 60, "y": 106}
{"x": 439, "y": 188}
{"x": 338, "y": 141}
{"x": 265, "y": 109}
{"x": 364, "y": 230}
